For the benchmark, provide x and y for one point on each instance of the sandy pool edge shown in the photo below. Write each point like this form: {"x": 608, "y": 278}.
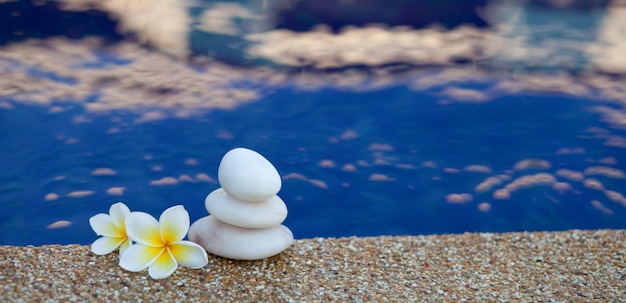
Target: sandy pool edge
{"x": 572, "y": 266}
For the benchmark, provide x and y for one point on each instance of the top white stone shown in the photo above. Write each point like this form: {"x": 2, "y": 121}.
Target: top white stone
{"x": 246, "y": 175}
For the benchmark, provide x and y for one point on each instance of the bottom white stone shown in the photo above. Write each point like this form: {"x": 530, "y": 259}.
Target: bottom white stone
{"x": 239, "y": 243}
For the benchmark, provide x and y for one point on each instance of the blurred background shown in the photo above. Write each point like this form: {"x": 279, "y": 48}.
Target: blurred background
{"x": 383, "y": 118}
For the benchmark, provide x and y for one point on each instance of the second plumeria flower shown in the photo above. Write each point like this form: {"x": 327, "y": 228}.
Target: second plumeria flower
{"x": 112, "y": 229}
{"x": 159, "y": 244}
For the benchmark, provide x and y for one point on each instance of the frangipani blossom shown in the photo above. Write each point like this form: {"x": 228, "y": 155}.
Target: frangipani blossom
{"x": 159, "y": 244}
{"x": 112, "y": 228}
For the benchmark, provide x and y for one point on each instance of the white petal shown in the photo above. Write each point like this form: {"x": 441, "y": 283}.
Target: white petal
{"x": 125, "y": 245}
{"x": 105, "y": 245}
{"x": 189, "y": 254}
{"x": 143, "y": 229}
{"x": 118, "y": 212}
{"x": 138, "y": 257}
{"x": 163, "y": 267}
{"x": 174, "y": 224}
{"x": 103, "y": 225}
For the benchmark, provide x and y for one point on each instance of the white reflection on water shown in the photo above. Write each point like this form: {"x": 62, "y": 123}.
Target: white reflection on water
{"x": 145, "y": 82}
{"x": 163, "y": 24}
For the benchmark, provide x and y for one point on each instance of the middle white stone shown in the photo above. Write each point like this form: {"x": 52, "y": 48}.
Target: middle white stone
{"x": 247, "y": 214}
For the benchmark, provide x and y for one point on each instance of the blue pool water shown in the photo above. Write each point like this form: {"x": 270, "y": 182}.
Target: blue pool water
{"x": 390, "y": 141}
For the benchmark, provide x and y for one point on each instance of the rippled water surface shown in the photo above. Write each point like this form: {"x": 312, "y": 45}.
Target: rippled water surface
{"x": 502, "y": 118}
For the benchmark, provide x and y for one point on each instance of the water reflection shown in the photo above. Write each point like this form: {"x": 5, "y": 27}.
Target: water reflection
{"x": 368, "y": 123}
{"x": 142, "y": 78}
{"x": 127, "y": 77}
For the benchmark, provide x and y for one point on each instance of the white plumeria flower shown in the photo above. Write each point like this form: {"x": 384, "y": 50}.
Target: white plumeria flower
{"x": 113, "y": 229}
{"x": 160, "y": 246}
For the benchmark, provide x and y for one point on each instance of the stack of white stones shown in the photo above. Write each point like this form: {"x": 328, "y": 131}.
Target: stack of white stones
{"x": 245, "y": 214}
